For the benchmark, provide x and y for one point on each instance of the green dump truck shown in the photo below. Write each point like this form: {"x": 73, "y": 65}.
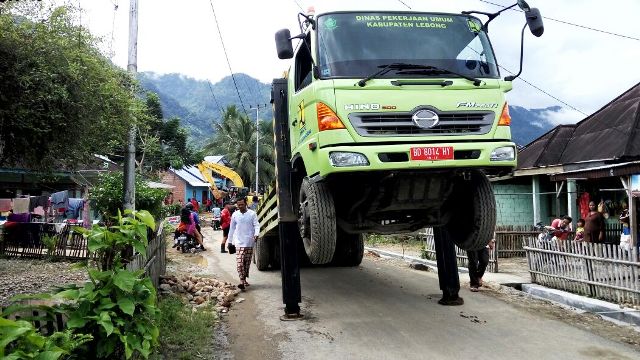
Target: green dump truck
{"x": 393, "y": 122}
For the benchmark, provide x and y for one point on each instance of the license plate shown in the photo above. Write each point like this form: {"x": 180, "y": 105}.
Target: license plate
{"x": 432, "y": 153}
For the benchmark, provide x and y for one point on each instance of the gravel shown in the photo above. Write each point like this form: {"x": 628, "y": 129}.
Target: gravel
{"x": 27, "y": 276}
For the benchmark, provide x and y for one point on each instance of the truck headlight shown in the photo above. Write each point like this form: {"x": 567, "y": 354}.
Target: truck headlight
{"x": 505, "y": 153}
{"x": 341, "y": 159}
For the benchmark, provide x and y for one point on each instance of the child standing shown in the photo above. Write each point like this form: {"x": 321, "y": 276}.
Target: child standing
{"x": 580, "y": 230}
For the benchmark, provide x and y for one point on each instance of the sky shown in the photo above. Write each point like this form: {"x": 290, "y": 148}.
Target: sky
{"x": 586, "y": 69}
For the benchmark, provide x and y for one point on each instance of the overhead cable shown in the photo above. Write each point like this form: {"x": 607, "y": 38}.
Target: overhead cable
{"x": 235, "y": 84}
{"x": 544, "y": 92}
{"x": 215, "y": 99}
{"x": 403, "y": 3}
{"x": 570, "y": 23}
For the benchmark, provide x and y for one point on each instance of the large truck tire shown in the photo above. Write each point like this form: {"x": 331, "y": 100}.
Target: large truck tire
{"x": 262, "y": 256}
{"x": 349, "y": 249}
{"x": 317, "y": 221}
{"x": 471, "y": 210}
{"x": 274, "y": 253}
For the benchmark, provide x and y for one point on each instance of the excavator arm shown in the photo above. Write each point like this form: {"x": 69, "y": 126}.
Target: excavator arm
{"x": 207, "y": 167}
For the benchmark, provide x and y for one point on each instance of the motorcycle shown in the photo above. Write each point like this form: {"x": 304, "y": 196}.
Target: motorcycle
{"x": 215, "y": 223}
{"x": 186, "y": 243}
{"x": 546, "y": 232}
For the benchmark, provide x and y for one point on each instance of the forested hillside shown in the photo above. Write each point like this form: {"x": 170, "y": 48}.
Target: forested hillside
{"x": 192, "y": 101}
{"x": 199, "y": 103}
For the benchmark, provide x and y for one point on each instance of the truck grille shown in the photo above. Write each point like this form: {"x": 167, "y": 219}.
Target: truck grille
{"x": 393, "y": 124}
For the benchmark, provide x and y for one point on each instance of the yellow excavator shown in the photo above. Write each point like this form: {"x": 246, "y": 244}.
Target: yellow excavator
{"x": 206, "y": 168}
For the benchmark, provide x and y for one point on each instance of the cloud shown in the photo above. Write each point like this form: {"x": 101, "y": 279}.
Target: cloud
{"x": 561, "y": 116}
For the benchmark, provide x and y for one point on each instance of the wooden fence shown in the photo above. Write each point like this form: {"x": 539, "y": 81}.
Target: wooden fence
{"x": 603, "y": 271}
{"x": 461, "y": 255}
{"x": 26, "y": 240}
{"x": 154, "y": 262}
{"x": 510, "y": 239}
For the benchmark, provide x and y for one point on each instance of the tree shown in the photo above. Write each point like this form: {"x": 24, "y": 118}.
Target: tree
{"x": 161, "y": 143}
{"x": 61, "y": 100}
{"x": 235, "y": 138}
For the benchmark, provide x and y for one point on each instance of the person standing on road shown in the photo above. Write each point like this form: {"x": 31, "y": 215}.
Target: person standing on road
{"x": 478, "y": 262}
{"x": 225, "y": 221}
{"x": 243, "y": 233}
{"x": 594, "y": 225}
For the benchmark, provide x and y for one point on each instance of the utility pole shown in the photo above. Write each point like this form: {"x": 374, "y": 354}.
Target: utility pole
{"x": 257, "y": 109}
{"x": 129, "y": 201}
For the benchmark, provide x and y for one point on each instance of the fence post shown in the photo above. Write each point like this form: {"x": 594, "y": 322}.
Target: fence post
{"x": 589, "y": 267}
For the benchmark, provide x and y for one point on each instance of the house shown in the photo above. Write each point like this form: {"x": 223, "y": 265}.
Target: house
{"x": 189, "y": 183}
{"x": 592, "y": 160}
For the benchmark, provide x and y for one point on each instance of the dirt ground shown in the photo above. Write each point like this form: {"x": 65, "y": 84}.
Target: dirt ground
{"x": 28, "y": 276}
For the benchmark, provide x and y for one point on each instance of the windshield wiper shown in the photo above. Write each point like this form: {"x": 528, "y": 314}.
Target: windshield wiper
{"x": 420, "y": 69}
{"x": 385, "y": 69}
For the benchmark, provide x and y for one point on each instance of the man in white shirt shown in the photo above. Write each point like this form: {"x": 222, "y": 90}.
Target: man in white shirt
{"x": 243, "y": 233}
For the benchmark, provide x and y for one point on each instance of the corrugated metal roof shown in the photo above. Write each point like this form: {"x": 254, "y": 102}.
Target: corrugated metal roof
{"x": 611, "y": 133}
{"x": 192, "y": 176}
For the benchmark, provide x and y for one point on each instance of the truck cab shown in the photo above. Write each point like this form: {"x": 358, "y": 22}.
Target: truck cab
{"x": 395, "y": 121}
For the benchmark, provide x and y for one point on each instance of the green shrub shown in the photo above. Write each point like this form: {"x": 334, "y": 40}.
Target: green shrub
{"x": 109, "y": 192}
{"x": 118, "y": 306}
{"x": 20, "y": 340}
{"x": 170, "y": 210}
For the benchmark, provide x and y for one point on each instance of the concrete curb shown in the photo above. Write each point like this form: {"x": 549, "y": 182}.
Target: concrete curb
{"x": 605, "y": 309}
{"x": 608, "y": 311}
{"x": 410, "y": 259}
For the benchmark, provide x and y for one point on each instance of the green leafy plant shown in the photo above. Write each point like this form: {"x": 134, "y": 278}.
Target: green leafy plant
{"x": 49, "y": 243}
{"x": 111, "y": 245}
{"x": 20, "y": 340}
{"x": 118, "y": 306}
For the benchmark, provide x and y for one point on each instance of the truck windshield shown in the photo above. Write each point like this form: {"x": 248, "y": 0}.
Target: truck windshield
{"x": 356, "y": 44}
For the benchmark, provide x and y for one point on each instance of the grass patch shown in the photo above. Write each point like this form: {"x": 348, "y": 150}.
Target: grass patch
{"x": 401, "y": 239}
{"x": 185, "y": 334}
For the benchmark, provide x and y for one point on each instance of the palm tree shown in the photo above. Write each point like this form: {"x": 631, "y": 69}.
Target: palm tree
{"x": 235, "y": 138}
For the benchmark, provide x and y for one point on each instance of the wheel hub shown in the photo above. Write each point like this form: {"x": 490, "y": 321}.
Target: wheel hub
{"x": 304, "y": 220}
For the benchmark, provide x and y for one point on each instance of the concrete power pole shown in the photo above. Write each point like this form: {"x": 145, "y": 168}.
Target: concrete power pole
{"x": 257, "y": 109}
{"x": 132, "y": 66}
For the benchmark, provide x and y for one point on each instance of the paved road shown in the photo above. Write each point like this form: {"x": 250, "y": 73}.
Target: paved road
{"x": 384, "y": 311}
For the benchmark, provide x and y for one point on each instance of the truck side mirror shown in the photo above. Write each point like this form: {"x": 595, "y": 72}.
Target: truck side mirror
{"x": 534, "y": 20}
{"x": 283, "y": 44}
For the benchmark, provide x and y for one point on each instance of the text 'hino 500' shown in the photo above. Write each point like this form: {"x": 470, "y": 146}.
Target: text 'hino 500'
{"x": 390, "y": 122}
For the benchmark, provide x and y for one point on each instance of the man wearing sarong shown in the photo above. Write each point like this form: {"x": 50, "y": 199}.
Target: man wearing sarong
{"x": 243, "y": 233}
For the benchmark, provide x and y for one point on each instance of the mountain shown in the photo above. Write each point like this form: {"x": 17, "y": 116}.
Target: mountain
{"x": 192, "y": 101}
{"x": 529, "y": 124}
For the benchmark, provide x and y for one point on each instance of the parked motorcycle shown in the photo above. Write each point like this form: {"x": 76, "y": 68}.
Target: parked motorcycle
{"x": 546, "y": 232}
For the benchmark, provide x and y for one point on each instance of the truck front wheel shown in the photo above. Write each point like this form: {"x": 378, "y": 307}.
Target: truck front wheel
{"x": 471, "y": 210}
{"x": 317, "y": 221}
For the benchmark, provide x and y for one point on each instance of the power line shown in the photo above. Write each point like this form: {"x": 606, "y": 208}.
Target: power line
{"x": 568, "y": 23}
{"x": 403, "y": 3}
{"x": 297, "y": 3}
{"x": 543, "y": 91}
{"x": 235, "y": 84}
{"x": 214, "y": 98}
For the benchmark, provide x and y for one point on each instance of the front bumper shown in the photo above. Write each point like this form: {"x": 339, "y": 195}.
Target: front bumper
{"x": 474, "y": 155}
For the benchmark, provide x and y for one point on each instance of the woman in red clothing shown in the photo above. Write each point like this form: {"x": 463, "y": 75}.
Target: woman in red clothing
{"x": 594, "y": 225}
